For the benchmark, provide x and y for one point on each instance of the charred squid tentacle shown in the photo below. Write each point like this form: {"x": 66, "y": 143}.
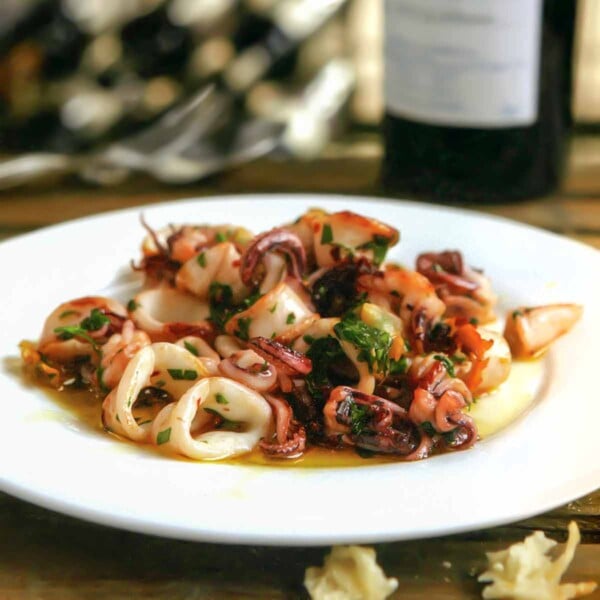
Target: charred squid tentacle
{"x": 284, "y": 359}
{"x": 277, "y": 240}
{"x": 290, "y": 435}
{"x": 370, "y": 422}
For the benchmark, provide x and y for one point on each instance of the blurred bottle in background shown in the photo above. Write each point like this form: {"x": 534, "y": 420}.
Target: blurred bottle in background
{"x": 477, "y": 97}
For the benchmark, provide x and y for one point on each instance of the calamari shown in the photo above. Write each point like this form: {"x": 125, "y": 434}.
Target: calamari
{"x": 530, "y": 330}
{"x": 214, "y": 419}
{"x": 165, "y": 366}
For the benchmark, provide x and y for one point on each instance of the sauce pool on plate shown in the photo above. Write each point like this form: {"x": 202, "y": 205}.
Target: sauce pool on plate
{"x": 491, "y": 412}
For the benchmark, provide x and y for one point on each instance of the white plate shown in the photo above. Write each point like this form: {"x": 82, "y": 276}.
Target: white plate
{"x": 546, "y": 458}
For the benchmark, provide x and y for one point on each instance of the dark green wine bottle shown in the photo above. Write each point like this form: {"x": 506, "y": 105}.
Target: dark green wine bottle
{"x": 477, "y": 97}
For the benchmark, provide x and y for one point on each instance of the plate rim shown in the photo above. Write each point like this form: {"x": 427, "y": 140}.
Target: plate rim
{"x": 165, "y": 530}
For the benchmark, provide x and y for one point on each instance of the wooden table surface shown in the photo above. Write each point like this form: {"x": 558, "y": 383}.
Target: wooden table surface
{"x": 48, "y": 556}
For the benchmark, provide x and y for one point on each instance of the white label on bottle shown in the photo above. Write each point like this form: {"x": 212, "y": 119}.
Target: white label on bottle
{"x": 464, "y": 63}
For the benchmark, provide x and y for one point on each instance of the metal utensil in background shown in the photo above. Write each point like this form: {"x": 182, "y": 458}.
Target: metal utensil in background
{"x": 304, "y": 136}
{"x": 181, "y": 143}
{"x": 175, "y": 130}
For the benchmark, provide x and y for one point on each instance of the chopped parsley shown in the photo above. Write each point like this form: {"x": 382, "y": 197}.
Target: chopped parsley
{"x": 132, "y": 305}
{"x": 201, "y": 259}
{"x": 220, "y": 298}
{"x": 99, "y": 374}
{"x": 243, "y": 330}
{"x": 163, "y": 436}
{"x": 190, "y": 348}
{"x": 94, "y": 322}
{"x": 428, "y": 428}
{"x": 309, "y": 339}
{"x": 458, "y": 359}
{"x": 450, "y": 437}
{"x": 447, "y": 364}
{"x": 291, "y": 318}
{"x": 224, "y": 423}
{"x": 222, "y": 307}
{"x": 183, "y": 374}
{"x": 221, "y": 399}
{"x": 326, "y": 234}
{"x": 359, "y": 417}
{"x": 220, "y": 237}
{"x": 373, "y": 344}
{"x": 517, "y": 313}
{"x": 399, "y": 367}
{"x": 323, "y": 352}
{"x": 67, "y": 313}
{"x": 474, "y": 321}
{"x": 273, "y": 308}
{"x": 379, "y": 244}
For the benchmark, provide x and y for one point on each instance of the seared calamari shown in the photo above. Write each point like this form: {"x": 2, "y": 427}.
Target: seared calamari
{"x": 297, "y": 337}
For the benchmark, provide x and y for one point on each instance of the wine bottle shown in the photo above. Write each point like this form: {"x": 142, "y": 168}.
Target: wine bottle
{"x": 477, "y": 97}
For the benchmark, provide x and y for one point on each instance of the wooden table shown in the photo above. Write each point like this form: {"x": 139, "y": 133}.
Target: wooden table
{"x": 44, "y": 555}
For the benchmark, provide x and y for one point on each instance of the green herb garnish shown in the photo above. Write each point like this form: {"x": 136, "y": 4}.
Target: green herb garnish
{"x": 190, "y": 348}
{"x": 94, "y": 322}
{"x": 323, "y": 352}
{"x": 201, "y": 259}
{"x": 132, "y": 305}
{"x": 326, "y": 235}
{"x": 243, "y": 330}
{"x": 428, "y": 428}
{"x": 222, "y": 307}
{"x": 359, "y": 417}
{"x": 379, "y": 244}
{"x": 99, "y": 375}
{"x": 291, "y": 318}
{"x": 447, "y": 364}
{"x": 398, "y": 367}
{"x": 457, "y": 359}
{"x": 163, "y": 436}
{"x": 67, "y": 313}
{"x": 183, "y": 374}
{"x": 373, "y": 344}
{"x": 221, "y": 399}
{"x": 220, "y": 298}
{"x": 225, "y": 423}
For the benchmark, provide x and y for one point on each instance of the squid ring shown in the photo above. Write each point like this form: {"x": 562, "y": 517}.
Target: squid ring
{"x": 163, "y": 365}
{"x": 248, "y": 412}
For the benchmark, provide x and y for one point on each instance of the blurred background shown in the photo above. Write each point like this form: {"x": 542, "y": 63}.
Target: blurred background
{"x": 79, "y": 76}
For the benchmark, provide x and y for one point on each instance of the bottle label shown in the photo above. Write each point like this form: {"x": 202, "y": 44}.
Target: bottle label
{"x": 463, "y": 63}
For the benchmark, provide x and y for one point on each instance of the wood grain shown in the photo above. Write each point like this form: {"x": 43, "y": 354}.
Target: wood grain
{"x": 47, "y": 555}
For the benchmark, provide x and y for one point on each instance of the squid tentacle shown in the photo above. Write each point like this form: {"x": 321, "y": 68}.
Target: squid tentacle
{"x": 276, "y": 240}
